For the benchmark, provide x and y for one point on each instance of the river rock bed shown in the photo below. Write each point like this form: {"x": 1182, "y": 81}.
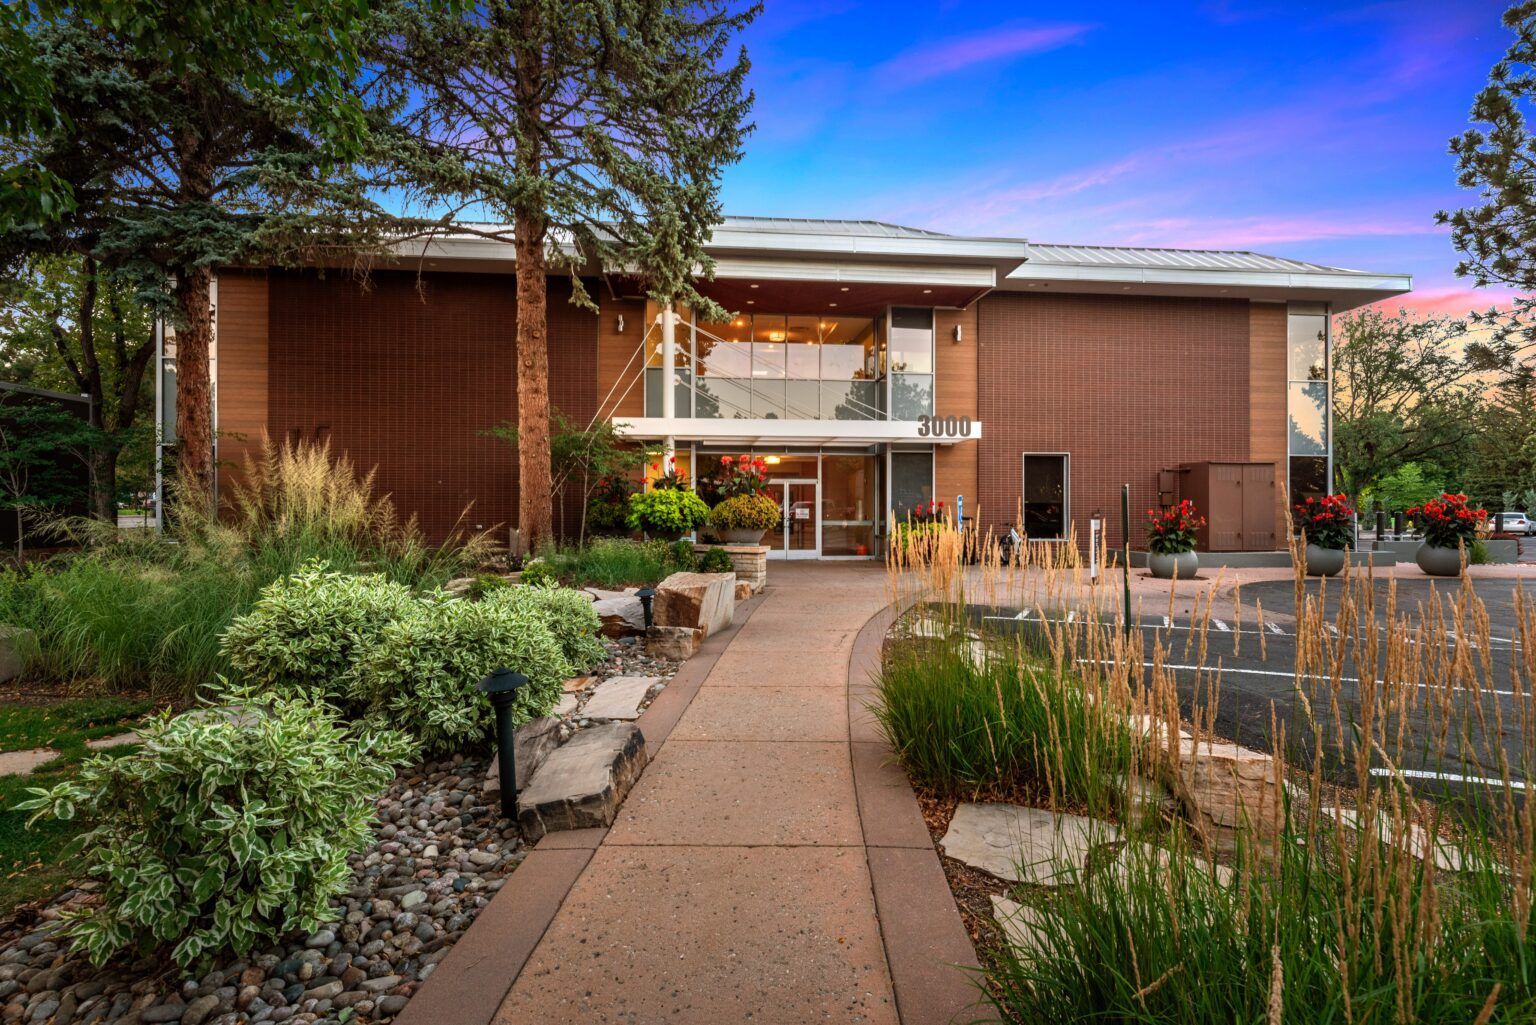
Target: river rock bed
{"x": 439, "y": 853}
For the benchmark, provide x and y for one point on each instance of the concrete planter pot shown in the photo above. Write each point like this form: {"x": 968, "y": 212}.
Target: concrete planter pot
{"x": 669, "y": 536}
{"x": 741, "y": 537}
{"x": 1325, "y": 562}
{"x": 1437, "y": 561}
{"x": 1185, "y": 564}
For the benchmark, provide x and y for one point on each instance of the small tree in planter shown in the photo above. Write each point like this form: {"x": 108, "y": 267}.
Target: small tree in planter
{"x": 1448, "y": 524}
{"x": 1171, "y": 541}
{"x": 1327, "y": 526}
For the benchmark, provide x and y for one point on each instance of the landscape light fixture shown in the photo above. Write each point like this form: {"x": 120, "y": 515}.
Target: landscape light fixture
{"x": 646, "y": 596}
{"x": 502, "y": 687}
{"x": 621, "y": 323}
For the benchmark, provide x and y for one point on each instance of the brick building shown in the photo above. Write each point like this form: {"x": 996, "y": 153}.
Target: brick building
{"x": 874, "y": 366}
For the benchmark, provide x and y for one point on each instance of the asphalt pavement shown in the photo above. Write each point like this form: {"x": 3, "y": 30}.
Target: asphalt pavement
{"x": 1257, "y": 667}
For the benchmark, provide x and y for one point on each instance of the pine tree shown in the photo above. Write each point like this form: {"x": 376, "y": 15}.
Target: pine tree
{"x": 596, "y": 131}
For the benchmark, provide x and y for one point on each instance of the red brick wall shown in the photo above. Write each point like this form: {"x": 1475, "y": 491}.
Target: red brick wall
{"x": 1126, "y": 385}
{"x": 404, "y": 374}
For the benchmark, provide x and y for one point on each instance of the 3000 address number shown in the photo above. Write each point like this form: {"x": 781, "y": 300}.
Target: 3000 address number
{"x": 943, "y": 427}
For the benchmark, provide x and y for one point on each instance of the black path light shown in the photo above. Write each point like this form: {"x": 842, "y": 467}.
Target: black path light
{"x": 502, "y": 687}
{"x": 646, "y": 596}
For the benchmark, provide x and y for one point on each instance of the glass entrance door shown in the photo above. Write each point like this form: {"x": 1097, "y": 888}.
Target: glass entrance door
{"x": 800, "y": 512}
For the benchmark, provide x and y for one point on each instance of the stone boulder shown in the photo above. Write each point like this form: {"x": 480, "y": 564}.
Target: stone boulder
{"x": 17, "y": 645}
{"x": 583, "y": 782}
{"x": 698, "y": 601}
{"x": 621, "y": 616}
{"x": 1225, "y": 786}
{"x": 534, "y": 741}
{"x": 1025, "y": 845}
{"x": 678, "y": 643}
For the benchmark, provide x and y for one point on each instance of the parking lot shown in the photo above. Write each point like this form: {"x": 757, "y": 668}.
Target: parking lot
{"x": 1256, "y": 667}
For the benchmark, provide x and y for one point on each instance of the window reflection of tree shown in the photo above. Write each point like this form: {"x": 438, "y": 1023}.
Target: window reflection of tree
{"x": 911, "y": 396}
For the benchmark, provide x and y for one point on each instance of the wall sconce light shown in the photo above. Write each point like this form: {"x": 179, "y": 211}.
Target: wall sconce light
{"x": 959, "y": 333}
{"x": 621, "y": 323}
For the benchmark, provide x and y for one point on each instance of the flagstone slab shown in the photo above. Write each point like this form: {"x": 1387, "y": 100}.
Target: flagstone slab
{"x": 1020, "y": 924}
{"x": 619, "y": 697}
{"x": 118, "y": 740}
{"x": 1025, "y": 845}
{"x": 21, "y": 763}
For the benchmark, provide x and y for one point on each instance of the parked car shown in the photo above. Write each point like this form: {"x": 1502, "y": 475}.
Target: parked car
{"x": 1518, "y": 523}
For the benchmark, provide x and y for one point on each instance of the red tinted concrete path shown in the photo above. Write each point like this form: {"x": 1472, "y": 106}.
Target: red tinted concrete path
{"x": 737, "y": 883}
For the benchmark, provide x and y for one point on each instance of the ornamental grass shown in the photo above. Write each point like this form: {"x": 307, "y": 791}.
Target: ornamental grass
{"x": 1367, "y": 895}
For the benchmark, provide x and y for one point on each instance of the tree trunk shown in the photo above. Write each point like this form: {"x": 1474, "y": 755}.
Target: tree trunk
{"x": 534, "y": 514}
{"x": 104, "y": 484}
{"x": 194, "y": 391}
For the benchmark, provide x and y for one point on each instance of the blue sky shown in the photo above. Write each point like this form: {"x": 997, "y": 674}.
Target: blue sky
{"x": 1310, "y": 130}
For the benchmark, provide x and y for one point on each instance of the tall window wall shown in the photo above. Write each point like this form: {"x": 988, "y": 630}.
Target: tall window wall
{"x": 1309, "y": 401}
{"x": 775, "y": 366}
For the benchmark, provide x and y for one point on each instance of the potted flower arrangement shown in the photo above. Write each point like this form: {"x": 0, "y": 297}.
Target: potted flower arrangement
{"x": 744, "y": 512}
{"x": 1171, "y": 541}
{"x": 1448, "y": 524}
{"x": 1326, "y": 524}
{"x": 669, "y": 509}
{"x": 925, "y": 518}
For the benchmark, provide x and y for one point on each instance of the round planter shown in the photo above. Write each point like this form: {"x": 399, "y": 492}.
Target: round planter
{"x": 669, "y": 536}
{"x": 741, "y": 537}
{"x": 1185, "y": 564}
{"x": 1439, "y": 562}
{"x": 1325, "y": 562}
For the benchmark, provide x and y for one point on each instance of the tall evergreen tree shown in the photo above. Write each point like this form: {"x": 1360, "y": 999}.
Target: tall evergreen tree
{"x": 166, "y": 140}
{"x": 596, "y": 131}
{"x": 1496, "y": 234}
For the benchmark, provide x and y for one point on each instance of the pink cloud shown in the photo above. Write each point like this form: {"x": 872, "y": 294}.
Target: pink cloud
{"x": 946, "y": 56}
{"x": 1449, "y": 302}
{"x": 1251, "y": 232}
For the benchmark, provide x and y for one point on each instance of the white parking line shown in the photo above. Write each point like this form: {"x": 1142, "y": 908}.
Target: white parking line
{"x": 1226, "y": 670}
{"x": 1450, "y": 777}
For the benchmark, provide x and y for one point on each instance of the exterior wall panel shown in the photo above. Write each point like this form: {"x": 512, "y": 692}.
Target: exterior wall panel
{"x": 404, "y": 374}
{"x": 1126, "y": 385}
{"x": 242, "y": 366}
{"x": 955, "y": 366}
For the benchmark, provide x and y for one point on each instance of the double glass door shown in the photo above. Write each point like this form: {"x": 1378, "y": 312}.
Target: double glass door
{"x": 799, "y": 534}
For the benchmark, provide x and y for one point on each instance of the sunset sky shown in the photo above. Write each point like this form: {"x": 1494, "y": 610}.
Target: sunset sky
{"x": 1310, "y": 130}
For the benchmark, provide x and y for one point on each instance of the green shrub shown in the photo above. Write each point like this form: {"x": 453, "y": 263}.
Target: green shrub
{"x": 667, "y": 511}
{"x": 746, "y": 512}
{"x": 484, "y": 584}
{"x": 305, "y": 632}
{"x": 716, "y": 560}
{"x": 539, "y": 571}
{"x": 420, "y": 674}
{"x": 570, "y": 618}
{"x": 681, "y": 557}
{"x": 229, "y": 828}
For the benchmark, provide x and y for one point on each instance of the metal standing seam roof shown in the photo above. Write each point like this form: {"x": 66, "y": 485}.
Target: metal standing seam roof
{"x": 820, "y": 226}
{"x": 1174, "y": 259}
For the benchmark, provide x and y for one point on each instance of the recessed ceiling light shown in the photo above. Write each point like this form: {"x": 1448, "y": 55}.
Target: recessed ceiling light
{"x": 751, "y": 302}
{"x": 752, "y": 286}
{"x": 927, "y": 291}
{"x": 843, "y": 289}
{"x": 831, "y": 304}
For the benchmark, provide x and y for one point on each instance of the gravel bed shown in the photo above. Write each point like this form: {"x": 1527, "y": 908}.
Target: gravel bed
{"x": 626, "y": 657}
{"x": 439, "y": 853}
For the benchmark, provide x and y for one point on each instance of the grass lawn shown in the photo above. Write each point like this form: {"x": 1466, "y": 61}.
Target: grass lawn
{"x": 30, "y": 865}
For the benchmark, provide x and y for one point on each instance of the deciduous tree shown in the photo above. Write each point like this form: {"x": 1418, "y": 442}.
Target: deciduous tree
{"x": 1401, "y": 394}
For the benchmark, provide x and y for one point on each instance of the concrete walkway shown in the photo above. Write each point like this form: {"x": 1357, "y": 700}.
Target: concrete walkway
{"x": 734, "y": 885}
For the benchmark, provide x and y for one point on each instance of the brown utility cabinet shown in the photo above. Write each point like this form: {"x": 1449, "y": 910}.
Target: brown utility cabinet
{"x": 1237, "y": 501}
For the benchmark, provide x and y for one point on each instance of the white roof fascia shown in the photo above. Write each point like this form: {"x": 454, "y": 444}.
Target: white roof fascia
{"x": 877, "y": 273}
{"x": 825, "y": 432}
{"x": 1229, "y": 279}
{"x": 728, "y": 239}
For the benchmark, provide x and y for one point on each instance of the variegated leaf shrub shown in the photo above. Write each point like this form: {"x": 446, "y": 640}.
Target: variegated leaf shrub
{"x": 227, "y": 829}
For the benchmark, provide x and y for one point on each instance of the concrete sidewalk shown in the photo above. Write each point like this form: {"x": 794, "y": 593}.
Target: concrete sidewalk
{"x": 735, "y": 884}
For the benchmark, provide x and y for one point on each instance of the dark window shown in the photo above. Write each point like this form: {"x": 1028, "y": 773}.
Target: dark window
{"x": 1309, "y": 477}
{"x": 1045, "y": 496}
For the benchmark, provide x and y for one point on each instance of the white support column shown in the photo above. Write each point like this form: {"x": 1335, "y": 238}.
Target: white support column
{"x": 668, "y": 378}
